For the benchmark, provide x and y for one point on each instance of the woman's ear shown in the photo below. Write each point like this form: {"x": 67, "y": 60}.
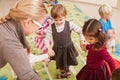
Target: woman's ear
{"x": 26, "y": 25}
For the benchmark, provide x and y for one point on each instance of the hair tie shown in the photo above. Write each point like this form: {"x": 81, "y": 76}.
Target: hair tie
{"x": 89, "y": 24}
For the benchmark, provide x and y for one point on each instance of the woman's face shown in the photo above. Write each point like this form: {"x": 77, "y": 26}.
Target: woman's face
{"x": 31, "y": 26}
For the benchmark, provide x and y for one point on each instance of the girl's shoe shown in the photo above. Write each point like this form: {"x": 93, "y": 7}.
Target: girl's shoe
{"x": 60, "y": 76}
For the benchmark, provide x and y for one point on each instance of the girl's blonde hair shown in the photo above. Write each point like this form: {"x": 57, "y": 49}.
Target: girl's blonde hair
{"x": 105, "y": 9}
{"x": 58, "y": 10}
{"x": 24, "y": 9}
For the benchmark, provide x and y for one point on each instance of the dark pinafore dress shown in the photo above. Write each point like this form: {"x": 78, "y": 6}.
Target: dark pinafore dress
{"x": 65, "y": 52}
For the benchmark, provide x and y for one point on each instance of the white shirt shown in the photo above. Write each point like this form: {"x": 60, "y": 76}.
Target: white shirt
{"x": 60, "y": 28}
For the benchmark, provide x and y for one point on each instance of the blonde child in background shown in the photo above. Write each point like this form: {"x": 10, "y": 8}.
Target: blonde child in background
{"x": 111, "y": 40}
{"x": 63, "y": 48}
{"x": 105, "y": 12}
{"x": 95, "y": 69}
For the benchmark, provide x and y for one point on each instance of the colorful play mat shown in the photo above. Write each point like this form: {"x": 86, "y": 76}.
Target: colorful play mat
{"x": 48, "y": 71}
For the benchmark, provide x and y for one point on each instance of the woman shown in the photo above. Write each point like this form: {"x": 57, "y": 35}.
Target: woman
{"x": 13, "y": 28}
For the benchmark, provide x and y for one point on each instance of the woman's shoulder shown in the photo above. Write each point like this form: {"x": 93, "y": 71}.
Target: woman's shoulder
{"x": 10, "y": 28}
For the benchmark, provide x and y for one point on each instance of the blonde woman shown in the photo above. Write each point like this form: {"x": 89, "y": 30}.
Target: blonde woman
{"x": 19, "y": 23}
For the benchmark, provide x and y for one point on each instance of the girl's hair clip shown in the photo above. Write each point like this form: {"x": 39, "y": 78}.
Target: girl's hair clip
{"x": 100, "y": 29}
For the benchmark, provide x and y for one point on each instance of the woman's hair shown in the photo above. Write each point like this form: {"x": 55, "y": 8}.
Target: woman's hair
{"x": 116, "y": 74}
{"x": 105, "y": 9}
{"x": 93, "y": 28}
{"x": 58, "y": 10}
{"x": 24, "y": 9}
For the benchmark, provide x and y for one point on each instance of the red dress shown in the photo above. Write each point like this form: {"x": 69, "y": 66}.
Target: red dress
{"x": 96, "y": 69}
{"x": 117, "y": 65}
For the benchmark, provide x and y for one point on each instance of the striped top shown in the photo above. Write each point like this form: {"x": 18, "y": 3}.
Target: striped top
{"x": 60, "y": 28}
{"x": 40, "y": 35}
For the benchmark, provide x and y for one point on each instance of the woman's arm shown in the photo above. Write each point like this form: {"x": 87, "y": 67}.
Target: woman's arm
{"x": 14, "y": 53}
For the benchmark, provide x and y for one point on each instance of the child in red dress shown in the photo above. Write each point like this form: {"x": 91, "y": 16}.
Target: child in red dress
{"x": 95, "y": 69}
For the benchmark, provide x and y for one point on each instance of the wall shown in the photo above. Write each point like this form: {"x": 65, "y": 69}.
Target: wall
{"x": 110, "y": 2}
{"x": 118, "y": 4}
{"x": 5, "y": 6}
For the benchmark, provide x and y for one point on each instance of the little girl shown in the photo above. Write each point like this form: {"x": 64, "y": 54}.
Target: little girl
{"x": 63, "y": 48}
{"x": 95, "y": 69}
{"x": 40, "y": 35}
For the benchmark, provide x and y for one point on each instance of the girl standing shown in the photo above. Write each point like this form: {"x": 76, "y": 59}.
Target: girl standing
{"x": 95, "y": 69}
{"x": 63, "y": 48}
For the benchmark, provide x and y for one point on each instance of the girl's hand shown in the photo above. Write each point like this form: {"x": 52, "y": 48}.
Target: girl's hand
{"x": 49, "y": 21}
{"x": 51, "y": 52}
{"x": 112, "y": 36}
{"x": 83, "y": 45}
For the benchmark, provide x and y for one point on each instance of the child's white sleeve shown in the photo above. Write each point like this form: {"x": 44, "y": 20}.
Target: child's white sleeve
{"x": 37, "y": 58}
{"x": 48, "y": 37}
{"x": 77, "y": 29}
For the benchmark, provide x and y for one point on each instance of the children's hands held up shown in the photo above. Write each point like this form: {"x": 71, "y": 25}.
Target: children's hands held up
{"x": 51, "y": 52}
{"x": 83, "y": 45}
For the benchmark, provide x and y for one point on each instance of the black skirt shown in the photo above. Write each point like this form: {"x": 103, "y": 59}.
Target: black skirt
{"x": 65, "y": 56}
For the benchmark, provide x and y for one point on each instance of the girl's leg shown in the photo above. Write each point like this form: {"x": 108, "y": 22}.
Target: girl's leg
{"x": 113, "y": 49}
{"x": 68, "y": 71}
{"x": 64, "y": 74}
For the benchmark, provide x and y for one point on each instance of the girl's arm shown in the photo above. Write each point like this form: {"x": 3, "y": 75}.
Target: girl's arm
{"x": 104, "y": 54}
{"x": 77, "y": 29}
{"x": 48, "y": 37}
{"x": 47, "y": 42}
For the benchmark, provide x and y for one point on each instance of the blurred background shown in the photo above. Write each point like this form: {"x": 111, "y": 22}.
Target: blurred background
{"x": 78, "y": 11}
